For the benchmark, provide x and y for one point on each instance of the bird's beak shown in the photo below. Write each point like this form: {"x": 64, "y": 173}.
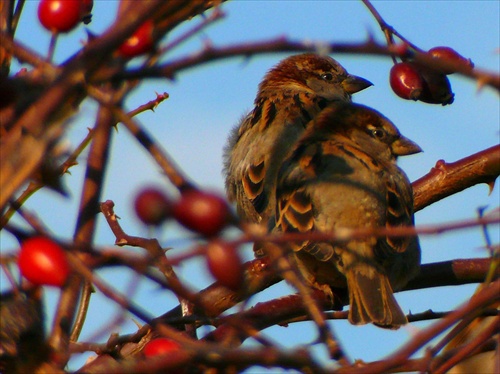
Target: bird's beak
{"x": 404, "y": 146}
{"x": 353, "y": 84}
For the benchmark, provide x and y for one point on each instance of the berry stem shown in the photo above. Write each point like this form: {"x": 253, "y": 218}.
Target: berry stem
{"x": 388, "y": 30}
{"x": 52, "y": 46}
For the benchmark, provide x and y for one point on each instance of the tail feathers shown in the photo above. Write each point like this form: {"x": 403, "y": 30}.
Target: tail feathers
{"x": 372, "y": 301}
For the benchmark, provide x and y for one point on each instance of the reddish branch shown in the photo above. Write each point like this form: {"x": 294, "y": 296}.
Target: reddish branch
{"x": 264, "y": 315}
{"x": 439, "y": 274}
{"x": 446, "y": 179}
{"x": 211, "y": 53}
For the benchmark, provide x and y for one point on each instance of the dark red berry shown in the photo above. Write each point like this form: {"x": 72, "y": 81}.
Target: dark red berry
{"x": 406, "y": 81}
{"x": 140, "y": 42}
{"x": 447, "y": 54}
{"x": 160, "y": 346}
{"x": 224, "y": 262}
{"x": 152, "y": 206}
{"x": 437, "y": 88}
{"x": 43, "y": 262}
{"x": 60, "y": 15}
{"x": 87, "y": 11}
{"x": 203, "y": 212}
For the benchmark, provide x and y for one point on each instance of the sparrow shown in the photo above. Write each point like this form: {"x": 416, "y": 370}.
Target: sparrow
{"x": 342, "y": 174}
{"x": 289, "y": 97}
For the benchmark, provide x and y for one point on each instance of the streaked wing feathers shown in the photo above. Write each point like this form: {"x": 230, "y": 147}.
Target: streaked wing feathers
{"x": 253, "y": 185}
{"x": 399, "y": 208}
{"x": 296, "y": 213}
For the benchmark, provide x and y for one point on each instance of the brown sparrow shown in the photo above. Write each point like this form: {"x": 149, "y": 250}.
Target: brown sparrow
{"x": 342, "y": 173}
{"x": 290, "y": 95}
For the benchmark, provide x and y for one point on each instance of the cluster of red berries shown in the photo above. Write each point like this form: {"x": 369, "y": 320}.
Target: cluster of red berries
{"x": 61, "y": 16}
{"x": 412, "y": 81}
{"x": 206, "y": 213}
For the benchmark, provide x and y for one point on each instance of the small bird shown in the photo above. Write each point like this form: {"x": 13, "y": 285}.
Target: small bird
{"x": 290, "y": 95}
{"x": 342, "y": 173}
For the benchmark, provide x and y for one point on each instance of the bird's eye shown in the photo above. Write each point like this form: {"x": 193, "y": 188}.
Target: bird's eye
{"x": 378, "y": 133}
{"x": 327, "y": 76}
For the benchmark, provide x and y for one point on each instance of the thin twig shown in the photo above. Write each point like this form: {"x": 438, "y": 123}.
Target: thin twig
{"x": 216, "y": 15}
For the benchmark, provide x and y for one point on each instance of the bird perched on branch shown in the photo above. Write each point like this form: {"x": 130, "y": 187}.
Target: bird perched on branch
{"x": 342, "y": 174}
{"x": 290, "y": 95}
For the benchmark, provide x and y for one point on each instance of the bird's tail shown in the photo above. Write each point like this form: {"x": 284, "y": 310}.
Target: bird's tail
{"x": 372, "y": 300}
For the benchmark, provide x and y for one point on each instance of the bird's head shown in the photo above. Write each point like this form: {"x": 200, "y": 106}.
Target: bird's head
{"x": 371, "y": 131}
{"x": 319, "y": 74}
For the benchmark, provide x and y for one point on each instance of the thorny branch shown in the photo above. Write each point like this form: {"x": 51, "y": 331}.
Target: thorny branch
{"x": 446, "y": 179}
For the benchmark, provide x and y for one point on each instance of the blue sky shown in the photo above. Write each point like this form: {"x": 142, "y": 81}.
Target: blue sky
{"x": 205, "y": 103}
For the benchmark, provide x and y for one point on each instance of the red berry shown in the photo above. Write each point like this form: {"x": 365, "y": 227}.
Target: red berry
{"x": 224, "y": 262}
{"x": 43, "y": 262}
{"x": 406, "y": 81}
{"x": 160, "y": 346}
{"x": 203, "y": 212}
{"x": 60, "y": 15}
{"x": 447, "y": 54}
{"x": 140, "y": 42}
{"x": 152, "y": 206}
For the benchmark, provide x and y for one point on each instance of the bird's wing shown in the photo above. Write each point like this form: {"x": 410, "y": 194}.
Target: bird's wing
{"x": 399, "y": 211}
{"x": 303, "y": 187}
{"x": 263, "y": 139}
